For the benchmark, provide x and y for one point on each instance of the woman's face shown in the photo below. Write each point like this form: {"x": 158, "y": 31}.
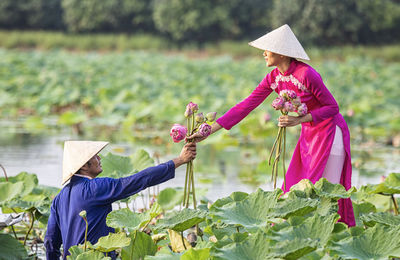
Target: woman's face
{"x": 272, "y": 59}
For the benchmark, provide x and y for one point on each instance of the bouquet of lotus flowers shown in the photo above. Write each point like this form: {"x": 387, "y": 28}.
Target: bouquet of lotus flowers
{"x": 195, "y": 123}
{"x": 287, "y": 101}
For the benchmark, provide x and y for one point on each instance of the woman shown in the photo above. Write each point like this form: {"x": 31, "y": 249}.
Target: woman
{"x": 323, "y": 149}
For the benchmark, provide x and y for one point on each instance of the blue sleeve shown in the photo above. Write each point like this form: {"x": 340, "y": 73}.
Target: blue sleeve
{"x": 52, "y": 240}
{"x": 109, "y": 190}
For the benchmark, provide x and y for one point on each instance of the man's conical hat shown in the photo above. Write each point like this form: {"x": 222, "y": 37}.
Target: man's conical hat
{"x": 76, "y": 154}
{"x": 282, "y": 41}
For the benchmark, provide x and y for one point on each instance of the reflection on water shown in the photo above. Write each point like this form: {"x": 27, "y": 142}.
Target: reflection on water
{"x": 218, "y": 172}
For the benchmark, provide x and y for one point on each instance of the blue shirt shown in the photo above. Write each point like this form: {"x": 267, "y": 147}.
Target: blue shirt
{"x": 66, "y": 227}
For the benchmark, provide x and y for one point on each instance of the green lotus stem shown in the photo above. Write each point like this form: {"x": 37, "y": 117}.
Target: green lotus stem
{"x": 188, "y": 185}
{"x": 87, "y": 227}
{"x": 193, "y": 190}
{"x": 283, "y": 159}
{"x": 396, "y": 207}
{"x": 186, "y": 180}
{"x": 133, "y": 242}
{"x": 4, "y": 171}
{"x": 277, "y": 156}
{"x": 183, "y": 240}
{"x": 274, "y": 145}
{"x": 15, "y": 234}
{"x": 30, "y": 228}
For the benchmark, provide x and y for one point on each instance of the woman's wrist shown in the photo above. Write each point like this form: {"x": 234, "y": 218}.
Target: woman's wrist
{"x": 306, "y": 118}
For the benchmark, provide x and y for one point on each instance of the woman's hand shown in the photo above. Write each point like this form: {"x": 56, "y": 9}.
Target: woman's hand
{"x": 286, "y": 121}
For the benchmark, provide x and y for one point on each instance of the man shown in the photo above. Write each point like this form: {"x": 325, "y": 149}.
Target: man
{"x": 81, "y": 165}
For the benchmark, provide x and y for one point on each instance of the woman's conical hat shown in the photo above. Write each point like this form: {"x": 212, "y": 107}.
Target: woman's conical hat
{"x": 282, "y": 41}
{"x": 76, "y": 154}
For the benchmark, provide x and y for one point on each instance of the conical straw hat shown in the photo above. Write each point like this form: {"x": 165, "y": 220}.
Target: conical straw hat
{"x": 282, "y": 41}
{"x": 76, "y": 154}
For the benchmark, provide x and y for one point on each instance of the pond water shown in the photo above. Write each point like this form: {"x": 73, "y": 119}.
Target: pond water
{"x": 42, "y": 155}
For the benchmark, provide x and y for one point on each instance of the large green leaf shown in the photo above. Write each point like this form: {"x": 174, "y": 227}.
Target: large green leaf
{"x": 140, "y": 246}
{"x": 234, "y": 197}
{"x": 74, "y": 251}
{"x": 324, "y": 188}
{"x": 125, "y": 218}
{"x": 92, "y": 255}
{"x": 316, "y": 228}
{"x": 11, "y": 249}
{"x": 169, "y": 198}
{"x": 112, "y": 242}
{"x": 30, "y": 181}
{"x": 294, "y": 207}
{"x": 181, "y": 220}
{"x": 252, "y": 212}
{"x": 391, "y": 185}
{"x": 9, "y": 190}
{"x": 382, "y": 218}
{"x": 294, "y": 249}
{"x": 378, "y": 242}
{"x": 255, "y": 247}
{"x": 196, "y": 254}
{"x": 142, "y": 160}
{"x": 116, "y": 166}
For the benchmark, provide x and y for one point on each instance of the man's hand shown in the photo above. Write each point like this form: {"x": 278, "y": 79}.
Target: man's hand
{"x": 188, "y": 153}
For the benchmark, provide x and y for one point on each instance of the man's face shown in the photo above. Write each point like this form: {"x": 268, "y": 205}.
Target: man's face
{"x": 94, "y": 166}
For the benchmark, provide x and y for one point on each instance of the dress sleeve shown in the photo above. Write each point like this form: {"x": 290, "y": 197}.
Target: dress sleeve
{"x": 52, "y": 240}
{"x": 328, "y": 106}
{"x": 242, "y": 109}
{"x": 109, "y": 190}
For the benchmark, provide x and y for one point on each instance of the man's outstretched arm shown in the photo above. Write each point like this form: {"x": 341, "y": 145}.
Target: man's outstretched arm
{"x": 108, "y": 190}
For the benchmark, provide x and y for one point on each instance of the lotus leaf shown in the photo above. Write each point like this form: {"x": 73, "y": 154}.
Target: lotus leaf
{"x": 294, "y": 249}
{"x": 178, "y": 243}
{"x": 140, "y": 246}
{"x": 116, "y": 166}
{"x": 234, "y": 197}
{"x": 294, "y": 207}
{"x": 112, "y": 242}
{"x": 316, "y": 228}
{"x": 125, "y": 218}
{"x": 391, "y": 185}
{"x": 142, "y": 160}
{"x": 30, "y": 181}
{"x": 9, "y": 190}
{"x": 255, "y": 247}
{"x": 361, "y": 209}
{"x": 181, "y": 220}
{"x": 385, "y": 218}
{"x": 324, "y": 188}
{"x": 92, "y": 255}
{"x": 378, "y": 242}
{"x": 196, "y": 254}
{"x": 11, "y": 249}
{"x": 252, "y": 212}
{"x": 74, "y": 252}
{"x": 169, "y": 198}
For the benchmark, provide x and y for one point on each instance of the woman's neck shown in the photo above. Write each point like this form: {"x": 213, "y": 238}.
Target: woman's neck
{"x": 284, "y": 65}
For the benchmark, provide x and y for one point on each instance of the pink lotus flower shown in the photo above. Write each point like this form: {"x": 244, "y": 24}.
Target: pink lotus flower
{"x": 178, "y": 133}
{"x": 302, "y": 110}
{"x": 205, "y": 130}
{"x": 296, "y": 102}
{"x": 211, "y": 116}
{"x": 288, "y": 94}
{"x": 267, "y": 117}
{"x": 288, "y": 107}
{"x": 278, "y": 103}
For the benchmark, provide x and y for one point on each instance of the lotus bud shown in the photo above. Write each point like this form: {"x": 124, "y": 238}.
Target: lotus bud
{"x": 83, "y": 214}
{"x": 288, "y": 107}
{"x": 267, "y": 117}
{"x": 211, "y": 116}
{"x": 296, "y": 102}
{"x": 278, "y": 103}
{"x": 178, "y": 133}
{"x": 205, "y": 130}
{"x": 188, "y": 112}
{"x": 302, "y": 110}
{"x": 199, "y": 118}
